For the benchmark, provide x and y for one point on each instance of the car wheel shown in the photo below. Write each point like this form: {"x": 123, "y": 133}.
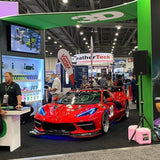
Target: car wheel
{"x": 105, "y": 123}
{"x": 126, "y": 110}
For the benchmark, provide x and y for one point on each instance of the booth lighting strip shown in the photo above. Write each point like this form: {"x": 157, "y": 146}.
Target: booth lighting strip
{"x": 134, "y": 49}
{"x": 115, "y": 39}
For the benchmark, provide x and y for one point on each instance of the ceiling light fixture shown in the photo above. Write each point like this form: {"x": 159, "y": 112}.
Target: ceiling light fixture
{"x": 114, "y": 43}
{"x": 81, "y": 33}
{"x": 49, "y": 37}
{"x": 112, "y": 47}
{"x": 55, "y": 42}
{"x": 84, "y": 38}
{"x": 115, "y": 39}
{"x": 118, "y": 27}
{"x": 51, "y": 53}
{"x": 46, "y": 51}
{"x": 116, "y": 34}
{"x": 65, "y": 1}
{"x": 77, "y": 26}
{"x": 88, "y": 46}
{"x": 136, "y": 47}
{"x": 60, "y": 46}
{"x": 86, "y": 43}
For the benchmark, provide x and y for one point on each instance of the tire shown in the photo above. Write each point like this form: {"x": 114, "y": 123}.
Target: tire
{"x": 105, "y": 123}
{"x": 126, "y": 110}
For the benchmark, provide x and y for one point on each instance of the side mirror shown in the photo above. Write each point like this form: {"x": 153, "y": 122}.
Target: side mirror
{"x": 110, "y": 99}
{"x": 55, "y": 99}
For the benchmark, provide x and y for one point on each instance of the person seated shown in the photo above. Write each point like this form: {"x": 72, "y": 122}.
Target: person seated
{"x": 84, "y": 82}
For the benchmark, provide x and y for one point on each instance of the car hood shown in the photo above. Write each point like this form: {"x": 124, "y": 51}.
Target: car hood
{"x": 66, "y": 113}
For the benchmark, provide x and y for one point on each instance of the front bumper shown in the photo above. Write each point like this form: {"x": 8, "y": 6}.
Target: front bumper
{"x": 79, "y": 129}
{"x": 55, "y": 132}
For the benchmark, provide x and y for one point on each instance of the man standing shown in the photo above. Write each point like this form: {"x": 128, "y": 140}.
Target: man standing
{"x": 102, "y": 80}
{"x": 10, "y": 92}
{"x": 56, "y": 86}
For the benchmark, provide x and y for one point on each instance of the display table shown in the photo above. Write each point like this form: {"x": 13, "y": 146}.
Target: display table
{"x": 12, "y": 137}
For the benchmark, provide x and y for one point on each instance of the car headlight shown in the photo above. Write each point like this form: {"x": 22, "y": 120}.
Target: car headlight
{"x": 41, "y": 111}
{"x": 86, "y": 113}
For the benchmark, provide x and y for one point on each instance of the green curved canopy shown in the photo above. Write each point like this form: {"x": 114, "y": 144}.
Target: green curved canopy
{"x": 60, "y": 19}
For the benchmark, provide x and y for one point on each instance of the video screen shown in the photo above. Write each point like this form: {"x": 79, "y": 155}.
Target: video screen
{"x": 25, "y": 39}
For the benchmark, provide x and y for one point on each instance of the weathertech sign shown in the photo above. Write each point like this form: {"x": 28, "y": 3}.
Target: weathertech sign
{"x": 98, "y": 58}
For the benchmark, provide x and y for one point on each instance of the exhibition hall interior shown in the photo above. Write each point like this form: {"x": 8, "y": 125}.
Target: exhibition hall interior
{"x": 80, "y": 79}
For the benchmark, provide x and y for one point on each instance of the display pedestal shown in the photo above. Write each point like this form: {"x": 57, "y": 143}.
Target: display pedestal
{"x": 12, "y": 138}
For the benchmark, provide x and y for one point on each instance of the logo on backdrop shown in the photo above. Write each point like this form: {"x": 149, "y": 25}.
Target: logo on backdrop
{"x": 65, "y": 59}
{"x": 103, "y": 16}
{"x": 98, "y": 58}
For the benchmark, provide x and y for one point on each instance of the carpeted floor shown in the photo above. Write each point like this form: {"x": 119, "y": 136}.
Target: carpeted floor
{"x": 48, "y": 145}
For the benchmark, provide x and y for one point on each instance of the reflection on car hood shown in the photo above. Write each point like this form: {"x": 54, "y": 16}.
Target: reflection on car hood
{"x": 60, "y": 112}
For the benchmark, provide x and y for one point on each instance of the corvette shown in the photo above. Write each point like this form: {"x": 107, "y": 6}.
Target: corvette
{"x": 81, "y": 113}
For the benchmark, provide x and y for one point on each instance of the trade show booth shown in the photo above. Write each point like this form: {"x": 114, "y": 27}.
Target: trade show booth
{"x": 23, "y": 55}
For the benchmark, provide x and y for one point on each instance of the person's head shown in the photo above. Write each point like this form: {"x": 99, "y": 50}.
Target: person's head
{"x": 134, "y": 77}
{"x": 48, "y": 79}
{"x": 103, "y": 75}
{"x": 84, "y": 78}
{"x": 8, "y": 77}
{"x": 119, "y": 77}
{"x": 53, "y": 76}
{"x": 109, "y": 78}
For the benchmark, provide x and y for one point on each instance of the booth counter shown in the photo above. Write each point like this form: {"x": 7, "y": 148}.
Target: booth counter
{"x": 12, "y": 135}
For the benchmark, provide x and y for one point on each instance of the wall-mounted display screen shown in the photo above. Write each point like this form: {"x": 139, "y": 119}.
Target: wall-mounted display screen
{"x": 25, "y": 39}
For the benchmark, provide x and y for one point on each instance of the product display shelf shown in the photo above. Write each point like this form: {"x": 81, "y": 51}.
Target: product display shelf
{"x": 33, "y": 80}
{"x": 36, "y": 101}
{"x": 31, "y": 91}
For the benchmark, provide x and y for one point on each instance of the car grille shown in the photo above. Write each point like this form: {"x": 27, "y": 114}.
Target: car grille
{"x": 86, "y": 125}
{"x": 37, "y": 123}
{"x": 58, "y": 126}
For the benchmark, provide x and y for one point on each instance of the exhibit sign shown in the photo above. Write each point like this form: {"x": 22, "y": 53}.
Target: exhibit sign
{"x": 118, "y": 13}
{"x": 65, "y": 59}
{"x": 98, "y": 58}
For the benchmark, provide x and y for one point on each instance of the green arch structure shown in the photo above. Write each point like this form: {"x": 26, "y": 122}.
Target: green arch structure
{"x": 60, "y": 19}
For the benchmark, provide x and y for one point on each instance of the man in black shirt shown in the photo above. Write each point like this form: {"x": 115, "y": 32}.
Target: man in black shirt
{"x": 10, "y": 92}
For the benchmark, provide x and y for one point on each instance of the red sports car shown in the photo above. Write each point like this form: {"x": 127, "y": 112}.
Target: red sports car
{"x": 81, "y": 113}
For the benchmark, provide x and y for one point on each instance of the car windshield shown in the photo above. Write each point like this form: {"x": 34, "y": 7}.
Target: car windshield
{"x": 81, "y": 97}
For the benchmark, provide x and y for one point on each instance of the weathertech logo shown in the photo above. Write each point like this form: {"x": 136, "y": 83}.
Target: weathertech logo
{"x": 66, "y": 62}
{"x": 97, "y": 57}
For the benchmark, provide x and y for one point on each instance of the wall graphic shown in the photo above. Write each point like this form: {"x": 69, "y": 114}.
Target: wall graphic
{"x": 120, "y": 63}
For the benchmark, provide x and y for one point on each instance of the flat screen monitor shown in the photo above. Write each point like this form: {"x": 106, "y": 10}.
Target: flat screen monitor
{"x": 25, "y": 39}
